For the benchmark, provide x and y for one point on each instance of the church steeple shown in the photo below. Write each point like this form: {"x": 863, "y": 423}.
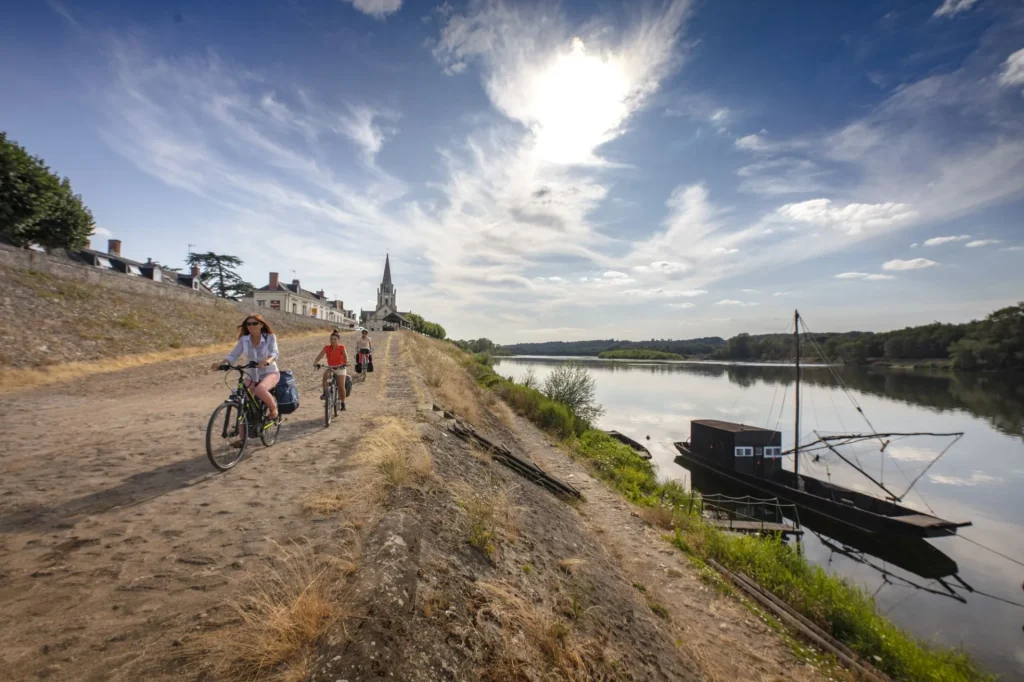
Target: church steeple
{"x": 386, "y": 293}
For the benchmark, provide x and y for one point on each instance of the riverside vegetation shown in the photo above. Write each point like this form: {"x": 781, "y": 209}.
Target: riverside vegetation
{"x": 839, "y": 606}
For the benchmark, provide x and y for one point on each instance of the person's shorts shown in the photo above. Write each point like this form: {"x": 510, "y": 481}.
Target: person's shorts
{"x": 338, "y": 370}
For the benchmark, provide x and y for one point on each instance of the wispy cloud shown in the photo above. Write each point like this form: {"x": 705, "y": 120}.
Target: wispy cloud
{"x": 938, "y": 241}
{"x": 976, "y": 478}
{"x": 950, "y": 7}
{"x": 851, "y": 218}
{"x": 734, "y": 302}
{"x": 981, "y": 242}
{"x": 1012, "y": 248}
{"x": 867, "y": 276}
{"x": 1013, "y": 70}
{"x": 378, "y": 9}
{"x": 912, "y": 264}
{"x": 361, "y": 125}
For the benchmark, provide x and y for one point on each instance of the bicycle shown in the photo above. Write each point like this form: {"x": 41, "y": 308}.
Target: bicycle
{"x": 241, "y": 417}
{"x": 330, "y": 396}
{"x": 362, "y": 363}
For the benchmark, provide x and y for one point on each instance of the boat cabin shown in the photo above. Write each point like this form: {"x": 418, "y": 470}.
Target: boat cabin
{"x": 746, "y": 449}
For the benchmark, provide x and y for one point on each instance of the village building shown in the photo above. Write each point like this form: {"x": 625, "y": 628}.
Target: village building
{"x": 386, "y": 317}
{"x": 292, "y": 298}
{"x": 112, "y": 260}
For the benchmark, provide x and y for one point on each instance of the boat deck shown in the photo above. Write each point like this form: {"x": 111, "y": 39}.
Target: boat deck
{"x": 741, "y": 526}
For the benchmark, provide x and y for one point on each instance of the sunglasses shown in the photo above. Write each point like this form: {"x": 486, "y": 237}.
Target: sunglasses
{"x": 253, "y": 323}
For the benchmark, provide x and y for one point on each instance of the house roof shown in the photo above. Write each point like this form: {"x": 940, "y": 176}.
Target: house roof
{"x": 127, "y": 261}
{"x": 730, "y": 426}
{"x": 291, "y": 288}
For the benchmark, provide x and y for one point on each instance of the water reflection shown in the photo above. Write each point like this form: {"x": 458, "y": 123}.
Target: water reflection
{"x": 947, "y": 591}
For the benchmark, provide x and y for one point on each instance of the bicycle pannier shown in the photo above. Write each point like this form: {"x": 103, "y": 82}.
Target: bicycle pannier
{"x": 369, "y": 364}
{"x": 287, "y": 394}
{"x": 348, "y": 386}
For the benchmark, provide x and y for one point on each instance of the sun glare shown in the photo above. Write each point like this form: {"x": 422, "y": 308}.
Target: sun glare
{"x": 578, "y": 102}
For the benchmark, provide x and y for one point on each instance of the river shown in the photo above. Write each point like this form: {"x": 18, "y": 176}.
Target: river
{"x": 976, "y": 603}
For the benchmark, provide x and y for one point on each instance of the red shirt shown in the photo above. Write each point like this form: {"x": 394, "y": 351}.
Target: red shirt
{"x": 336, "y": 357}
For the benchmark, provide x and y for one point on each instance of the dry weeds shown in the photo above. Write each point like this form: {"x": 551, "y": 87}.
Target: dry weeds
{"x": 491, "y": 517}
{"x": 448, "y": 381}
{"x": 283, "y": 613}
{"x": 533, "y": 637}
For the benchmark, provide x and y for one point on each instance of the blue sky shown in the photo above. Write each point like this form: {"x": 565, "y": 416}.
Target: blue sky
{"x": 542, "y": 171}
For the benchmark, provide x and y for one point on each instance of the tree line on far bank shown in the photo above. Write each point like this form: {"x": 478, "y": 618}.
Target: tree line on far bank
{"x": 994, "y": 343}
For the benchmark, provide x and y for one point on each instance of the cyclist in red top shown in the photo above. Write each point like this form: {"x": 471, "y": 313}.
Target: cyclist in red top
{"x": 337, "y": 360}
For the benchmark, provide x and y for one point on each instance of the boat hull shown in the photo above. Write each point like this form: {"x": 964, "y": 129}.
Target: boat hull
{"x": 843, "y": 506}
{"x": 642, "y": 451}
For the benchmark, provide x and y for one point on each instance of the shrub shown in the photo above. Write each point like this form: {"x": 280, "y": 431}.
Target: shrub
{"x": 572, "y": 385}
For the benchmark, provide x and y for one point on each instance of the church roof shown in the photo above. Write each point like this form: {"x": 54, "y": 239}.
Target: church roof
{"x": 387, "y": 270}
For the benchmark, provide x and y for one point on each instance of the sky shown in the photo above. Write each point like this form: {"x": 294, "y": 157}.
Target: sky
{"x": 543, "y": 171}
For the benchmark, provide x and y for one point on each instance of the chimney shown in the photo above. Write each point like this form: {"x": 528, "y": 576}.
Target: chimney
{"x": 320, "y": 294}
{"x": 195, "y": 270}
{"x": 274, "y": 281}
{"x": 295, "y": 283}
{"x": 114, "y": 247}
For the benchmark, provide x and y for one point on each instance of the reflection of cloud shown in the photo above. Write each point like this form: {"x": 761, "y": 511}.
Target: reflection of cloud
{"x": 910, "y": 454}
{"x": 976, "y": 478}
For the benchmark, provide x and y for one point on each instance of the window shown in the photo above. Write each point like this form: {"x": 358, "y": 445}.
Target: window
{"x": 773, "y": 452}
{"x": 102, "y": 262}
{"x": 744, "y": 452}
{"x": 133, "y": 270}
{"x": 275, "y": 305}
{"x": 262, "y": 304}
{"x": 158, "y": 275}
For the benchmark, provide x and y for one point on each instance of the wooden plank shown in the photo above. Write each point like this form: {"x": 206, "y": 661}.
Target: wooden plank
{"x": 754, "y": 526}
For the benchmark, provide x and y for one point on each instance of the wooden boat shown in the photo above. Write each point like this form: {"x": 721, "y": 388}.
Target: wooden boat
{"x": 752, "y": 456}
{"x": 626, "y": 440}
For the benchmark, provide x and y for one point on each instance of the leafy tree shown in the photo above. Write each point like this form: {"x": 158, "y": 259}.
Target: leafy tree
{"x": 572, "y": 385}
{"x": 424, "y": 327}
{"x": 36, "y": 206}
{"x": 217, "y": 271}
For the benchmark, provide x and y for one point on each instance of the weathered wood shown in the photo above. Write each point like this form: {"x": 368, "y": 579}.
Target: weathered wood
{"x": 754, "y": 526}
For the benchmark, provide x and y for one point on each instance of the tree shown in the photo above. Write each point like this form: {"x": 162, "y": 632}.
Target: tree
{"x": 573, "y": 386}
{"x": 36, "y": 206}
{"x": 217, "y": 272}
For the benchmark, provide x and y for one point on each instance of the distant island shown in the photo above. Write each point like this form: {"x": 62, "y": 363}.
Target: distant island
{"x": 995, "y": 343}
{"x": 638, "y": 354}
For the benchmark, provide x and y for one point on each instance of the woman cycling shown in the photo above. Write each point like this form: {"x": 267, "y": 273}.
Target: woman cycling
{"x": 364, "y": 350}
{"x": 337, "y": 360}
{"x": 257, "y": 342}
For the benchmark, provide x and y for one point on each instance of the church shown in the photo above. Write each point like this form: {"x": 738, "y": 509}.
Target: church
{"x": 386, "y": 317}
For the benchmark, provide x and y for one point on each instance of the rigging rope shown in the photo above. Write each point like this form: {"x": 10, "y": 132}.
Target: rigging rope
{"x": 996, "y": 552}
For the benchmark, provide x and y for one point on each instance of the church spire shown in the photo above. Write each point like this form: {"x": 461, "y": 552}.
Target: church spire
{"x": 387, "y": 271}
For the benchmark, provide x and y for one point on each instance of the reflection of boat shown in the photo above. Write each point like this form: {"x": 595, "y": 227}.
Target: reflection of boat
{"x": 623, "y": 438}
{"x": 752, "y": 456}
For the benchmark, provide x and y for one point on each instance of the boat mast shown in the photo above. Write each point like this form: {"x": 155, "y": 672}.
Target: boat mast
{"x": 796, "y": 428}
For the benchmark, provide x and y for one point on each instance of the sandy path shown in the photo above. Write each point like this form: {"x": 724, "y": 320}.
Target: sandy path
{"x": 116, "y": 534}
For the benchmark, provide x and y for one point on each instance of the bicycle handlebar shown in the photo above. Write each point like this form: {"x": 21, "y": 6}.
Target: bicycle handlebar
{"x": 321, "y": 366}
{"x": 239, "y": 368}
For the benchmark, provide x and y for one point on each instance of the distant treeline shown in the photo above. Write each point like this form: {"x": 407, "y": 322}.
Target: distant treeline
{"x": 997, "y": 342}
{"x": 638, "y": 354}
{"x": 687, "y": 347}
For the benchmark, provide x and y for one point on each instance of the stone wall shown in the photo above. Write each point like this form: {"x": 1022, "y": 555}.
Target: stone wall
{"x": 64, "y": 268}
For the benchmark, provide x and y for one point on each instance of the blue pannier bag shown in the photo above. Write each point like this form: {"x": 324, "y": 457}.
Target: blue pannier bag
{"x": 287, "y": 394}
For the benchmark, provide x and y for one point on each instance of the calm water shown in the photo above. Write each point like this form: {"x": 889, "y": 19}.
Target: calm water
{"x": 980, "y": 479}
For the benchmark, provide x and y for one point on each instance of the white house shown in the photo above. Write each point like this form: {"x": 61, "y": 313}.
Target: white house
{"x": 292, "y": 298}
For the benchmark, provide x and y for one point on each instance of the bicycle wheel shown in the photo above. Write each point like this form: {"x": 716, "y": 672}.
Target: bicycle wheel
{"x": 268, "y": 433}
{"x": 337, "y": 398}
{"x": 328, "y": 399}
{"x": 227, "y": 435}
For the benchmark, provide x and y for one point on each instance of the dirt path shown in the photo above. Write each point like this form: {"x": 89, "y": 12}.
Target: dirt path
{"x": 117, "y": 536}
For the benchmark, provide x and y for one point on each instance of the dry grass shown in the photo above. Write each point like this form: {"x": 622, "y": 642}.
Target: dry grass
{"x": 390, "y": 456}
{"x": 491, "y": 518}
{"x": 552, "y": 648}
{"x": 12, "y": 380}
{"x": 283, "y": 613}
{"x": 570, "y": 566}
{"x": 448, "y": 381}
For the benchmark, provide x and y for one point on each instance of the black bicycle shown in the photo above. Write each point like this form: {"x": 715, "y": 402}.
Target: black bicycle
{"x": 241, "y": 417}
{"x": 330, "y": 398}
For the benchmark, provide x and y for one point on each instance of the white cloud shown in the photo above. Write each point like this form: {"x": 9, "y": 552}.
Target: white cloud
{"x": 724, "y": 251}
{"x": 667, "y": 267}
{"x": 1013, "y": 70}
{"x": 914, "y": 245}
{"x": 912, "y": 264}
{"x": 938, "y": 241}
{"x": 852, "y": 218}
{"x": 975, "y": 478}
{"x": 102, "y": 232}
{"x": 683, "y": 306}
{"x": 720, "y": 117}
{"x": 750, "y": 291}
{"x": 870, "y": 277}
{"x": 359, "y": 126}
{"x": 785, "y": 175}
{"x": 754, "y": 143}
{"x": 614, "y": 274}
{"x": 378, "y": 9}
{"x": 981, "y": 242}
{"x": 1013, "y": 248}
{"x": 950, "y": 7}
{"x": 781, "y": 293}
{"x": 734, "y": 302}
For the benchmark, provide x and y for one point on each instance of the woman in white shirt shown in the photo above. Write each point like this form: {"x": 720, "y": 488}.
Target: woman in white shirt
{"x": 257, "y": 342}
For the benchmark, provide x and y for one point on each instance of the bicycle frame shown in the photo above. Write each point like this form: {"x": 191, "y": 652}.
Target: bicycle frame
{"x": 249, "y": 403}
